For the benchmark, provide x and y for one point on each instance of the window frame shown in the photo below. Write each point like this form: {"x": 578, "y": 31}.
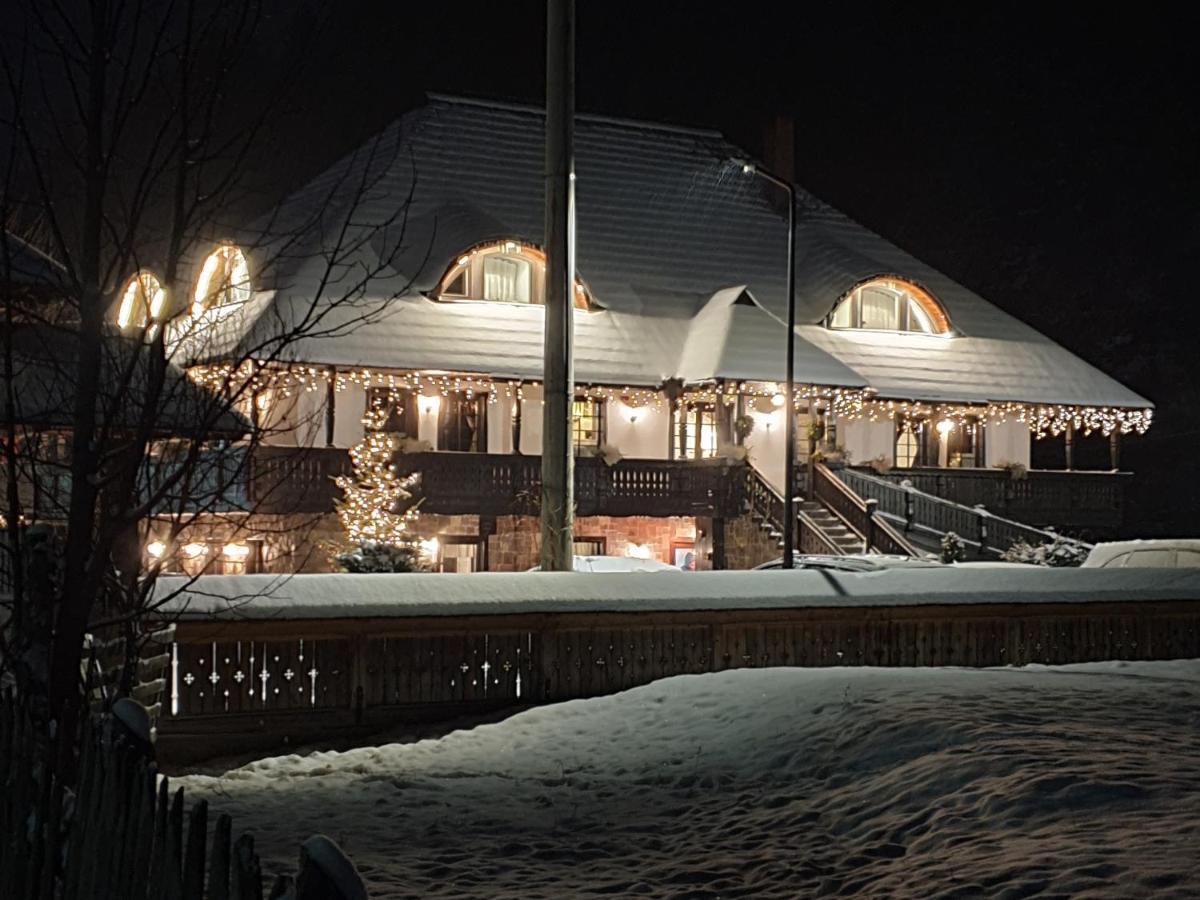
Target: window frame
{"x": 692, "y": 415}
{"x": 473, "y": 260}
{"x": 598, "y": 414}
{"x": 906, "y": 295}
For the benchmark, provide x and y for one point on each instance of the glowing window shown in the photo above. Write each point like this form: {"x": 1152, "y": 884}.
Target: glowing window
{"x": 890, "y": 304}
{"x": 501, "y": 272}
{"x": 587, "y": 422}
{"x": 696, "y": 431}
{"x": 224, "y": 280}
{"x": 142, "y": 302}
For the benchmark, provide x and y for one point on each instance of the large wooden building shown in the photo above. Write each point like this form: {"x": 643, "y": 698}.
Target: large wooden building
{"x": 418, "y": 259}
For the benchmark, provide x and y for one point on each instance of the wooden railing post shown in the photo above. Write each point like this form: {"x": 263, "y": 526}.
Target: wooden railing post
{"x": 910, "y": 512}
{"x": 869, "y": 536}
{"x": 981, "y": 527}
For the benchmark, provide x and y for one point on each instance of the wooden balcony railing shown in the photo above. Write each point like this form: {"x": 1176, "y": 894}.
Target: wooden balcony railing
{"x": 500, "y": 484}
{"x": 1066, "y": 500}
{"x": 286, "y": 480}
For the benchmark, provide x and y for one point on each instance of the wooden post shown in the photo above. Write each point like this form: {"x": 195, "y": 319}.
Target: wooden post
{"x": 517, "y": 410}
{"x": 330, "y": 404}
{"x": 558, "y": 460}
{"x": 1069, "y": 437}
{"x": 718, "y": 543}
{"x": 1114, "y": 450}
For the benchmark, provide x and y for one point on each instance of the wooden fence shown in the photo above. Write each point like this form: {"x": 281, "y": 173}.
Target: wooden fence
{"x": 120, "y": 835}
{"x": 256, "y": 682}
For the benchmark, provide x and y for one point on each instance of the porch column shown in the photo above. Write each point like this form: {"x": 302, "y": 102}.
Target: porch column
{"x": 718, "y": 542}
{"x": 1069, "y": 438}
{"x": 330, "y": 402}
{"x": 518, "y": 402}
{"x": 1114, "y": 450}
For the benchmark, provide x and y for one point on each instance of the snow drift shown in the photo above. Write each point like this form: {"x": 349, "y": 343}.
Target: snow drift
{"x": 1080, "y": 780}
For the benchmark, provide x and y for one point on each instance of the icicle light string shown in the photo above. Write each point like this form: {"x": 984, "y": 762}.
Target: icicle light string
{"x": 847, "y": 403}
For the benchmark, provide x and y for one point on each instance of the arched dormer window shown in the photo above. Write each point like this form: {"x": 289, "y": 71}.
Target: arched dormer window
{"x": 502, "y": 272}
{"x": 142, "y": 303}
{"x": 890, "y": 304}
{"x": 224, "y": 280}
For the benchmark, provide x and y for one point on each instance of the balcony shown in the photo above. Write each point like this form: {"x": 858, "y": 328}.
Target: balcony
{"x": 1062, "y": 499}
{"x": 500, "y": 484}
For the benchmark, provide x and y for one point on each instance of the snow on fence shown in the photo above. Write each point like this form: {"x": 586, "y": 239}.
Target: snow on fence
{"x": 121, "y": 834}
{"x": 306, "y": 672}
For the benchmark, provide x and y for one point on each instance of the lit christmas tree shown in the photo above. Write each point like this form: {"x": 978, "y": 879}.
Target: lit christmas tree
{"x": 370, "y": 497}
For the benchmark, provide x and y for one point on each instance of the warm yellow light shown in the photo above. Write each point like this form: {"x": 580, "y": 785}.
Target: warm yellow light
{"x": 236, "y": 552}
{"x": 777, "y": 400}
{"x": 430, "y": 547}
{"x": 430, "y": 405}
{"x": 639, "y": 551}
{"x": 156, "y": 549}
{"x": 142, "y": 303}
{"x": 193, "y": 550}
{"x": 224, "y": 280}
{"x": 944, "y": 427}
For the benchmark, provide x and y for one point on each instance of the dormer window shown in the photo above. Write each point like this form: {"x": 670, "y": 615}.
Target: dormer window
{"x": 224, "y": 281}
{"x": 501, "y": 272}
{"x": 890, "y": 304}
{"x": 142, "y": 303}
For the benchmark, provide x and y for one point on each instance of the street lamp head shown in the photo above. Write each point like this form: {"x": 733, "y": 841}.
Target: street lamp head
{"x": 748, "y": 168}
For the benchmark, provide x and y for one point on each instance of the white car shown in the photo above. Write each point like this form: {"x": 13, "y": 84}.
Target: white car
{"x": 1167, "y": 553}
{"x": 617, "y": 564}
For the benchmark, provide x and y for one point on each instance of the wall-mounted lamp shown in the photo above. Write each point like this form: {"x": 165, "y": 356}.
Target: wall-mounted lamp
{"x": 639, "y": 551}
{"x": 430, "y": 405}
{"x": 777, "y": 400}
{"x": 156, "y": 549}
{"x": 430, "y": 547}
{"x": 193, "y": 550}
{"x": 944, "y": 427}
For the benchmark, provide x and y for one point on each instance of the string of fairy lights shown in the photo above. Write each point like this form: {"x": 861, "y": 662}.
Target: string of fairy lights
{"x": 850, "y": 404}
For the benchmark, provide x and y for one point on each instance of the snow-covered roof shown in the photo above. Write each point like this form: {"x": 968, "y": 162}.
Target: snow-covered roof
{"x": 666, "y": 222}
{"x": 500, "y": 593}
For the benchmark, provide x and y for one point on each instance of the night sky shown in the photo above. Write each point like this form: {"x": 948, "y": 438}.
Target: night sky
{"x": 1047, "y": 161}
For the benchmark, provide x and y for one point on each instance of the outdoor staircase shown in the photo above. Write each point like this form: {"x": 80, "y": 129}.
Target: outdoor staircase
{"x": 831, "y": 520}
{"x": 831, "y": 527}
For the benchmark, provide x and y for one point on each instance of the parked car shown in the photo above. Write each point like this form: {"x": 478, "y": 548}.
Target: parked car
{"x": 617, "y": 564}
{"x": 1168, "y": 553}
{"x": 856, "y": 562}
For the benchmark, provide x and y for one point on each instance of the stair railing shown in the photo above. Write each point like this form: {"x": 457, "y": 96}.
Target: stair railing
{"x": 767, "y": 503}
{"x": 929, "y": 514}
{"x": 859, "y": 515}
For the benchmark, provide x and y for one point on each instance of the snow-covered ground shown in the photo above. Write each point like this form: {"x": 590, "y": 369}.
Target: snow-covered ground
{"x": 1075, "y": 781}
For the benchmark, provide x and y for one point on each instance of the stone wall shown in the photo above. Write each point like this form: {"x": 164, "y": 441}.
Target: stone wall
{"x": 295, "y": 543}
{"x": 747, "y": 545}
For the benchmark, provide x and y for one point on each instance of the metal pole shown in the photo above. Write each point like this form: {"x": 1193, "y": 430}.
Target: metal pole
{"x": 789, "y": 452}
{"x": 558, "y": 460}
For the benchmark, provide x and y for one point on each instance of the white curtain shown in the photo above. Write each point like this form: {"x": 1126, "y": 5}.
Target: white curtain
{"x": 506, "y": 278}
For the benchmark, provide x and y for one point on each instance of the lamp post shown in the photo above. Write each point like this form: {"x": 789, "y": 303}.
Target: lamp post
{"x": 789, "y": 449}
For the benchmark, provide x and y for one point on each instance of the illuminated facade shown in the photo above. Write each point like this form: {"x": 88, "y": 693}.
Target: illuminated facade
{"x": 679, "y": 346}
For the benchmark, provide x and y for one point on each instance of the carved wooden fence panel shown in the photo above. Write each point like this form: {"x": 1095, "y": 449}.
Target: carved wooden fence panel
{"x": 430, "y": 667}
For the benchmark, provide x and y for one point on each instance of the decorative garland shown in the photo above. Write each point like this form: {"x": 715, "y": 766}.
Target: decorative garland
{"x": 847, "y": 403}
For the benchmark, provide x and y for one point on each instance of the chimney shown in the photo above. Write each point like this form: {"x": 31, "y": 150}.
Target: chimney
{"x": 779, "y": 146}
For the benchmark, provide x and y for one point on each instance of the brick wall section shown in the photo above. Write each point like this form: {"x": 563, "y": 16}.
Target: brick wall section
{"x": 298, "y": 543}
{"x": 747, "y": 545}
{"x": 516, "y": 545}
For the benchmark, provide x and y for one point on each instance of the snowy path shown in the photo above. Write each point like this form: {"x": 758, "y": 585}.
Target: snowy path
{"x": 1038, "y": 782}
